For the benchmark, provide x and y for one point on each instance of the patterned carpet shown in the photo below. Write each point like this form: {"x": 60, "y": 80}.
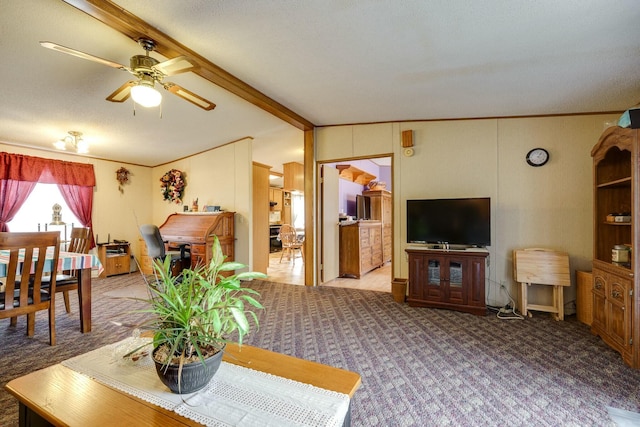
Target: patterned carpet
{"x": 419, "y": 366}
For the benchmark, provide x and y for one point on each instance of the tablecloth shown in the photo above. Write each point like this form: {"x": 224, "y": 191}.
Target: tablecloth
{"x": 66, "y": 261}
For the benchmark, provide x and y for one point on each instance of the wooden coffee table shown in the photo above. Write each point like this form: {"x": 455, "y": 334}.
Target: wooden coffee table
{"x": 60, "y": 396}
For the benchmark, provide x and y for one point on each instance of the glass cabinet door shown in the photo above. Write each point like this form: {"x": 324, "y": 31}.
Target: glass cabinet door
{"x": 433, "y": 274}
{"x": 455, "y": 274}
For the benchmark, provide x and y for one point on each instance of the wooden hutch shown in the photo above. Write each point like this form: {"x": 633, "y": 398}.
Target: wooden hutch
{"x": 616, "y": 204}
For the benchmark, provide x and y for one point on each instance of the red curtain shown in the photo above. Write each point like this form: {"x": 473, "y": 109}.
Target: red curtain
{"x": 80, "y": 201}
{"x": 20, "y": 173}
{"x": 48, "y": 171}
{"x": 12, "y": 196}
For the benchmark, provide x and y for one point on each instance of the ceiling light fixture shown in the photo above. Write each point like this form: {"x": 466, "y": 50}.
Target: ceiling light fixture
{"x": 74, "y": 139}
{"x": 144, "y": 92}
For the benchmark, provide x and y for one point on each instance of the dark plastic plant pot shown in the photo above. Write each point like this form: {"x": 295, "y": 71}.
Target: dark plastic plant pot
{"x": 195, "y": 375}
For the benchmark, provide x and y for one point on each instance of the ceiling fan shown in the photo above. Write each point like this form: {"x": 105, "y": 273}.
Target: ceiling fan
{"x": 148, "y": 72}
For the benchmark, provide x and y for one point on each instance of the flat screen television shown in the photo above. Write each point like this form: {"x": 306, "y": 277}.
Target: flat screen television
{"x": 453, "y": 221}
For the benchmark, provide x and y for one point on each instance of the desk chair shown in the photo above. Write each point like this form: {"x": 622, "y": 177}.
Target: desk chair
{"x": 542, "y": 267}
{"x": 156, "y": 249}
{"x": 19, "y": 300}
{"x": 290, "y": 242}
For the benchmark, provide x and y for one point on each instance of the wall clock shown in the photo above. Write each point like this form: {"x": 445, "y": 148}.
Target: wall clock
{"x": 537, "y": 157}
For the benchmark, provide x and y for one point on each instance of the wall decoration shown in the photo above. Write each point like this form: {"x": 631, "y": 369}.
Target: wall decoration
{"x": 122, "y": 175}
{"x": 172, "y": 185}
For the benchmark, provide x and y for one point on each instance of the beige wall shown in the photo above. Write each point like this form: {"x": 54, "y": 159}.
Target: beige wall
{"x": 547, "y": 207}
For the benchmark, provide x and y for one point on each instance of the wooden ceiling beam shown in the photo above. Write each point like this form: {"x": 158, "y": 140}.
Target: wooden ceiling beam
{"x": 135, "y": 28}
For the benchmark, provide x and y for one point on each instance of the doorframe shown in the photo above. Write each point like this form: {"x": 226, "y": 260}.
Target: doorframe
{"x": 316, "y": 203}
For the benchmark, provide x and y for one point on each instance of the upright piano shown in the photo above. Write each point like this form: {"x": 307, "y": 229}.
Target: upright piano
{"x": 197, "y": 230}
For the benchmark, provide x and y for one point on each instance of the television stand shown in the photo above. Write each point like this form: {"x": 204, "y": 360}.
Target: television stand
{"x": 452, "y": 279}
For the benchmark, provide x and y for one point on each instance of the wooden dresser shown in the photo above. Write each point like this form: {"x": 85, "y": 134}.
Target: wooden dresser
{"x": 197, "y": 230}
{"x": 360, "y": 248}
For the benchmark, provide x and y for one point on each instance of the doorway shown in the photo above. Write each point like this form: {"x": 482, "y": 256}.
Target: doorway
{"x": 358, "y": 178}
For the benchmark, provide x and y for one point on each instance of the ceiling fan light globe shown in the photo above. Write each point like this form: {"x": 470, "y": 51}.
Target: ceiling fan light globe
{"x": 146, "y": 96}
{"x": 60, "y": 144}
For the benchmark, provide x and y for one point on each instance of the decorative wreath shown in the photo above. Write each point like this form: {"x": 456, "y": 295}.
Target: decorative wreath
{"x": 122, "y": 175}
{"x": 172, "y": 185}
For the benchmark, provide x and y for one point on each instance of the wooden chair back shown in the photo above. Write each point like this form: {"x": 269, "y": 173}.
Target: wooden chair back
{"x": 290, "y": 242}
{"x": 79, "y": 240}
{"x": 26, "y": 255}
{"x": 289, "y": 236}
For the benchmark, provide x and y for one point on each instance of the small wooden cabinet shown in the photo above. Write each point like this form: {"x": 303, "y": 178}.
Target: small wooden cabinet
{"x": 360, "y": 248}
{"x": 381, "y": 210}
{"x": 447, "y": 279}
{"x": 584, "y": 297}
{"x": 115, "y": 258}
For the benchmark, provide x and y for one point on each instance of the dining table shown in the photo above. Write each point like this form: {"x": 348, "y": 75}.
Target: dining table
{"x": 83, "y": 264}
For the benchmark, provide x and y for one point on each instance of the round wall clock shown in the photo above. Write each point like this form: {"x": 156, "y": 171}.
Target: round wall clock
{"x": 537, "y": 157}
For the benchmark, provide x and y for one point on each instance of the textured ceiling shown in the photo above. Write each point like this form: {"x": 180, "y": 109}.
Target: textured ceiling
{"x": 330, "y": 61}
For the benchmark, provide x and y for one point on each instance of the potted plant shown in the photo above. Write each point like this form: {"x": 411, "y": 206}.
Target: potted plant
{"x": 192, "y": 314}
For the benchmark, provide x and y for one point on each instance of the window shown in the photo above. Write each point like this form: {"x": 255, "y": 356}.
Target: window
{"x": 297, "y": 210}
{"x": 37, "y": 210}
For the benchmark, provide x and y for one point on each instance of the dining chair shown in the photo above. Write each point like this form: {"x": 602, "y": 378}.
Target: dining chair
{"x": 180, "y": 259}
{"x": 25, "y": 256}
{"x": 290, "y": 242}
{"x": 79, "y": 242}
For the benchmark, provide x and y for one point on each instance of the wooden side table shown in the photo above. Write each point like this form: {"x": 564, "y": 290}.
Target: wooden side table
{"x": 584, "y": 297}
{"x": 115, "y": 258}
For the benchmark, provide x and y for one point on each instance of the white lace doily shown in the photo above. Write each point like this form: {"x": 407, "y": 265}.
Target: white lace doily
{"x": 236, "y": 396}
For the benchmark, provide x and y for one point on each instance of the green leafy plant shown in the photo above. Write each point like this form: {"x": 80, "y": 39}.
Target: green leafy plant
{"x": 195, "y": 312}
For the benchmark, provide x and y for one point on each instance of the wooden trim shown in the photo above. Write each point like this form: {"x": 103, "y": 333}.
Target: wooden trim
{"x": 453, "y": 119}
{"x": 135, "y": 28}
{"x": 309, "y": 202}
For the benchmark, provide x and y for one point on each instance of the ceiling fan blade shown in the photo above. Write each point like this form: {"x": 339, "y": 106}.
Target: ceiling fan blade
{"x": 69, "y": 51}
{"x": 122, "y": 93}
{"x": 187, "y": 95}
{"x": 177, "y": 65}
